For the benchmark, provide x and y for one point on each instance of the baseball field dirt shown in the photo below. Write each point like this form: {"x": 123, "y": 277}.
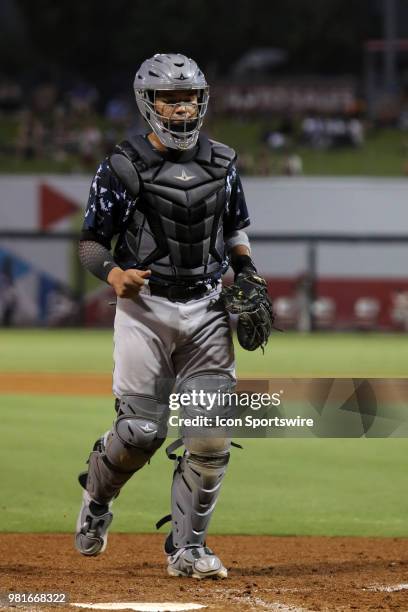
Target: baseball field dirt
{"x": 265, "y": 573}
{"x": 45, "y": 383}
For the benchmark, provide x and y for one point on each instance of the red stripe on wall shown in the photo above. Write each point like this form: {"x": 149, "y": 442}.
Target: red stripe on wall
{"x": 54, "y": 206}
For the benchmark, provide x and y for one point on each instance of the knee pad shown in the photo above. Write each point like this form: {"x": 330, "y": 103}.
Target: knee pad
{"x": 136, "y": 434}
{"x": 210, "y": 394}
{"x": 215, "y": 401}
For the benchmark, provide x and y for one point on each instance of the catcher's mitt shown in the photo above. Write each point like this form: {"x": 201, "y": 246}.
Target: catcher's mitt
{"x": 248, "y": 298}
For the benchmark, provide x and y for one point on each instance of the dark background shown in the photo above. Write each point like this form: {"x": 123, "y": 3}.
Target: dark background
{"x": 106, "y": 41}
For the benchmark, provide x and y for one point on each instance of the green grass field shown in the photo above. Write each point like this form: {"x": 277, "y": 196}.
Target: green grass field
{"x": 274, "y": 486}
{"x": 287, "y": 354}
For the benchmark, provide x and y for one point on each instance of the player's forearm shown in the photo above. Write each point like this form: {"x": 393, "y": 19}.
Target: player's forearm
{"x": 240, "y": 249}
{"x": 97, "y": 259}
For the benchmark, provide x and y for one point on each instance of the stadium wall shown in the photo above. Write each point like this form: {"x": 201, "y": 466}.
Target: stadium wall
{"x": 276, "y": 205}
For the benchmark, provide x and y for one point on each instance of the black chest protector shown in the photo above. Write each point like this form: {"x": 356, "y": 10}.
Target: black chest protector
{"x": 177, "y": 228}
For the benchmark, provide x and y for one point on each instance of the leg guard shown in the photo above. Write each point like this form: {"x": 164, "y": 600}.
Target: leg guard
{"x": 196, "y": 486}
{"x": 200, "y": 472}
{"x": 137, "y": 433}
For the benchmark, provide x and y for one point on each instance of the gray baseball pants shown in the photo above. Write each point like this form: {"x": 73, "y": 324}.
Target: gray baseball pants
{"x": 156, "y": 339}
{"x": 163, "y": 346}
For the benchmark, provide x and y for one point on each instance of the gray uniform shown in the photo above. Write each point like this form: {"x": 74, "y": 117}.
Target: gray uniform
{"x": 178, "y": 214}
{"x": 159, "y": 340}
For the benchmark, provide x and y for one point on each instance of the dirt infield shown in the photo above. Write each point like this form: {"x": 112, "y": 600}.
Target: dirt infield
{"x": 44, "y": 383}
{"x": 265, "y": 573}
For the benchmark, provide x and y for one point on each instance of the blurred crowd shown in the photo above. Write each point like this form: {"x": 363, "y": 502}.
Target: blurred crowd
{"x": 79, "y": 125}
{"x": 314, "y": 131}
{"x": 55, "y": 124}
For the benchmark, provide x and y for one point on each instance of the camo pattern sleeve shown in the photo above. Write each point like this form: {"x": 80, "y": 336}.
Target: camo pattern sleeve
{"x": 109, "y": 207}
{"x": 236, "y": 215}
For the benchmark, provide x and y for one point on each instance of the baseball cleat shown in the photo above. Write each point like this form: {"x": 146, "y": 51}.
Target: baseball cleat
{"x": 91, "y": 534}
{"x": 196, "y": 562}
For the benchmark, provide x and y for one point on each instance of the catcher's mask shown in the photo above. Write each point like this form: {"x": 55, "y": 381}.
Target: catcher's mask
{"x": 165, "y": 73}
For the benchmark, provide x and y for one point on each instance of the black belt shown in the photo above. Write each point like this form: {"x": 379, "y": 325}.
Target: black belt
{"x": 180, "y": 293}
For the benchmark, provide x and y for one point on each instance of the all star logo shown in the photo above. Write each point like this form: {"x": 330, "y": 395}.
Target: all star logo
{"x": 184, "y": 176}
{"x": 146, "y": 428}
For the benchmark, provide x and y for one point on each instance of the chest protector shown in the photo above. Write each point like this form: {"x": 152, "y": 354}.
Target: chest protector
{"x": 177, "y": 227}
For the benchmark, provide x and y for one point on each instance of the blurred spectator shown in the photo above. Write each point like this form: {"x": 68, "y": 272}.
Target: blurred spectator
{"x": 275, "y": 140}
{"x": 286, "y": 311}
{"x": 403, "y": 120}
{"x": 331, "y": 132}
{"x": 292, "y": 164}
{"x": 30, "y": 136}
{"x": 246, "y": 163}
{"x": 118, "y": 110}
{"x": 264, "y": 164}
{"x": 82, "y": 98}
{"x": 324, "y": 313}
{"x": 90, "y": 141}
{"x": 281, "y": 137}
{"x": 399, "y": 309}
{"x": 356, "y": 132}
{"x": 366, "y": 313}
{"x": 313, "y": 132}
{"x": 41, "y": 124}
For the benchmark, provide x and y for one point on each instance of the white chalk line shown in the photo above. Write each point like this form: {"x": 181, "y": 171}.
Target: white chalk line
{"x": 279, "y": 607}
{"x": 255, "y": 601}
{"x": 166, "y": 606}
{"x": 389, "y": 588}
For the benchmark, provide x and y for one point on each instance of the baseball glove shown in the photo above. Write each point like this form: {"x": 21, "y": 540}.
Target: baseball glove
{"x": 248, "y": 298}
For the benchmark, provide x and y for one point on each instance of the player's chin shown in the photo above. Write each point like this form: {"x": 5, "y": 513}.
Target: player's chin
{"x": 182, "y": 125}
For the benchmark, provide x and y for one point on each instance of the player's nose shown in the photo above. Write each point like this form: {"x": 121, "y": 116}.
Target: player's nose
{"x": 181, "y": 109}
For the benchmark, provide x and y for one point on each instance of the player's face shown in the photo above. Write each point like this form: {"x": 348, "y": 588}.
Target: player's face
{"x": 176, "y": 106}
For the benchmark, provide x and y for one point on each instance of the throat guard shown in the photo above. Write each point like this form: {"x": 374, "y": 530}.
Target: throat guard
{"x": 177, "y": 228}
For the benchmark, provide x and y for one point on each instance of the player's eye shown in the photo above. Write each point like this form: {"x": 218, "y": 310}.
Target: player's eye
{"x": 168, "y": 101}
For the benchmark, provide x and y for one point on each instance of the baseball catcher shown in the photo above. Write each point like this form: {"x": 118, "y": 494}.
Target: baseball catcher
{"x": 174, "y": 201}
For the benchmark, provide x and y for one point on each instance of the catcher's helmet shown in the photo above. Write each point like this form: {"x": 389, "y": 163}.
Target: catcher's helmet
{"x": 174, "y": 72}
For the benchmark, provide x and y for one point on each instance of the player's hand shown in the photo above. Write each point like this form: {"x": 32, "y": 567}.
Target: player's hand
{"x": 127, "y": 283}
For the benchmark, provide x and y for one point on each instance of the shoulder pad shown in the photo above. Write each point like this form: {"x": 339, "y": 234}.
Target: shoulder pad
{"x": 223, "y": 151}
{"x": 126, "y": 172}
